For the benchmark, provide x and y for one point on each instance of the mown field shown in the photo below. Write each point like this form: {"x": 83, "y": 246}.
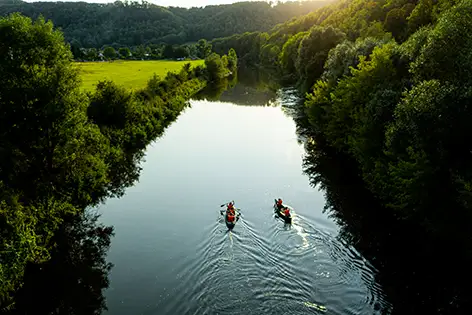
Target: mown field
{"x": 131, "y": 74}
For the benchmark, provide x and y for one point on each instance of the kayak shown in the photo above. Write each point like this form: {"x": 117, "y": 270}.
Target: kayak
{"x": 229, "y": 224}
{"x": 281, "y": 214}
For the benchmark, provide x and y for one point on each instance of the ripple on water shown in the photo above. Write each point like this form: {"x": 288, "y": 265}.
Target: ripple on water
{"x": 249, "y": 271}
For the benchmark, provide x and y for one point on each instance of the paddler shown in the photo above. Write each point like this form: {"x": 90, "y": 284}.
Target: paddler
{"x": 287, "y": 212}
{"x": 279, "y": 204}
{"x": 230, "y": 217}
{"x": 230, "y": 209}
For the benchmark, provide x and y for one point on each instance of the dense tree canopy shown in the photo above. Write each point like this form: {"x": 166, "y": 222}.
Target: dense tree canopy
{"x": 389, "y": 88}
{"x": 132, "y": 23}
{"x": 63, "y": 151}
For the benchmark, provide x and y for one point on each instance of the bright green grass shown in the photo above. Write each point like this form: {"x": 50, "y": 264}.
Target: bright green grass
{"x": 130, "y": 74}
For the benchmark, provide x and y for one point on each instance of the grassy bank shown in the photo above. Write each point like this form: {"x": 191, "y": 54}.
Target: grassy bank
{"x": 130, "y": 74}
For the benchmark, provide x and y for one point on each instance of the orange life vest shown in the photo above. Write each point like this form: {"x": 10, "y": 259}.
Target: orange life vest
{"x": 230, "y": 218}
{"x": 287, "y": 212}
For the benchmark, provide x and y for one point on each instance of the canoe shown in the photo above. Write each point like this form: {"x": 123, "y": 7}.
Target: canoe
{"x": 231, "y": 225}
{"x": 281, "y": 214}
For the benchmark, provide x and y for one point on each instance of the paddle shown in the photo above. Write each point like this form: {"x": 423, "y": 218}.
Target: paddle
{"x": 225, "y": 204}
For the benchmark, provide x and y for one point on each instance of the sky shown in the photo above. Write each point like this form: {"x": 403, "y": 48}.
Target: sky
{"x": 166, "y": 3}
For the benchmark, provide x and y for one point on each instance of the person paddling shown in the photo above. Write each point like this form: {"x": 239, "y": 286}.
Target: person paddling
{"x": 279, "y": 204}
{"x": 230, "y": 209}
{"x": 287, "y": 212}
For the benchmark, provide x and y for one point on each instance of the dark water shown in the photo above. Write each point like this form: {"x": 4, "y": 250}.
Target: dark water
{"x": 163, "y": 248}
{"x": 172, "y": 253}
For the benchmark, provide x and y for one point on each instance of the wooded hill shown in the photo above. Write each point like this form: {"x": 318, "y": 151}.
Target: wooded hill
{"x": 137, "y": 23}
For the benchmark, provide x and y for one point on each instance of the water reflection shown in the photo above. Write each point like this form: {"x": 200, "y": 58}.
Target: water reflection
{"x": 73, "y": 281}
{"x": 248, "y": 88}
{"x": 196, "y": 266}
{"x": 420, "y": 273}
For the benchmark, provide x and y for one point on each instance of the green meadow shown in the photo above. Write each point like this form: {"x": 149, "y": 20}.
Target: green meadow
{"x": 130, "y": 74}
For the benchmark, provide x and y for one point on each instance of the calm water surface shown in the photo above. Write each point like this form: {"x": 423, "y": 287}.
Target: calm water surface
{"x": 172, "y": 253}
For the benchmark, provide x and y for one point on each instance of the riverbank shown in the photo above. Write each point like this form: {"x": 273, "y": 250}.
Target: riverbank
{"x": 64, "y": 150}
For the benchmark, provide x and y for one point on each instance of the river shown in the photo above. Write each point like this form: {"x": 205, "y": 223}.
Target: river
{"x": 172, "y": 252}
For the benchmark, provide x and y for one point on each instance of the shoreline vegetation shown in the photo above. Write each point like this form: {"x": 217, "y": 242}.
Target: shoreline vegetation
{"x": 387, "y": 90}
{"x": 387, "y": 86}
{"x": 64, "y": 150}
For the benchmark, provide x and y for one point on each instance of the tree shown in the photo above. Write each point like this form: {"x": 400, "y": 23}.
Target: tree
{"x": 181, "y": 52}
{"x": 215, "y": 67}
{"x": 75, "y": 47}
{"x": 124, "y": 52}
{"x": 44, "y": 134}
{"x": 141, "y": 23}
{"x": 139, "y": 52}
{"x": 204, "y": 48}
{"x": 168, "y": 52}
{"x": 289, "y": 53}
{"x": 395, "y": 22}
{"x": 232, "y": 60}
{"x": 91, "y": 54}
{"x": 313, "y": 52}
{"x": 109, "y": 52}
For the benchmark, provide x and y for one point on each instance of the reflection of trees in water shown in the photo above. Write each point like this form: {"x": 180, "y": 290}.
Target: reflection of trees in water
{"x": 72, "y": 282}
{"x": 214, "y": 90}
{"x": 248, "y": 88}
{"x": 420, "y": 273}
{"x": 248, "y": 96}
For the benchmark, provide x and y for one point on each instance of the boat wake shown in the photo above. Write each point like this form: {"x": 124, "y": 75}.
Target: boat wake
{"x": 286, "y": 269}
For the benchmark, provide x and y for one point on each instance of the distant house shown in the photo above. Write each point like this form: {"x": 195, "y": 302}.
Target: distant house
{"x": 180, "y": 59}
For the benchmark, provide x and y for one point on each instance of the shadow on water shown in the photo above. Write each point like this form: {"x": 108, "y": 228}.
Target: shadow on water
{"x": 73, "y": 281}
{"x": 420, "y": 274}
{"x": 75, "y": 277}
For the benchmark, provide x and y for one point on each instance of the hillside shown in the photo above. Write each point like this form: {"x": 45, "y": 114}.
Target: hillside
{"x": 132, "y": 23}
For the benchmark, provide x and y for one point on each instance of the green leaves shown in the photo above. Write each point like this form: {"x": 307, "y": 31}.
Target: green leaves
{"x": 61, "y": 150}
{"x": 446, "y": 55}
{"x": 218, "y": 67}
{"x": 313, "y": 52}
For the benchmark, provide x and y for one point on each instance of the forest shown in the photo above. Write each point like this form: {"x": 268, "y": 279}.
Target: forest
{"x": 63, "y": 150}
{"x": 133, "y": 23}
{"x": 387, "y": 88}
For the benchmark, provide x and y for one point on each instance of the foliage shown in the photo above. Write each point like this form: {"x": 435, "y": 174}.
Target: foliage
{"x": 73, "y": 280}
{"x": 390, "y": 86}
{"x": 203, "y": 48}
{"x": 313, "y": 52}
{"x": 216, "y": 66}
{"x": 232, "y": 60}
{"x": 109, "y": 52}
{"x": 289, "y": 54}
{"x": 124, "y": 52}
{"x": 133, "y": 23}
{"x": 64, "y": 151}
